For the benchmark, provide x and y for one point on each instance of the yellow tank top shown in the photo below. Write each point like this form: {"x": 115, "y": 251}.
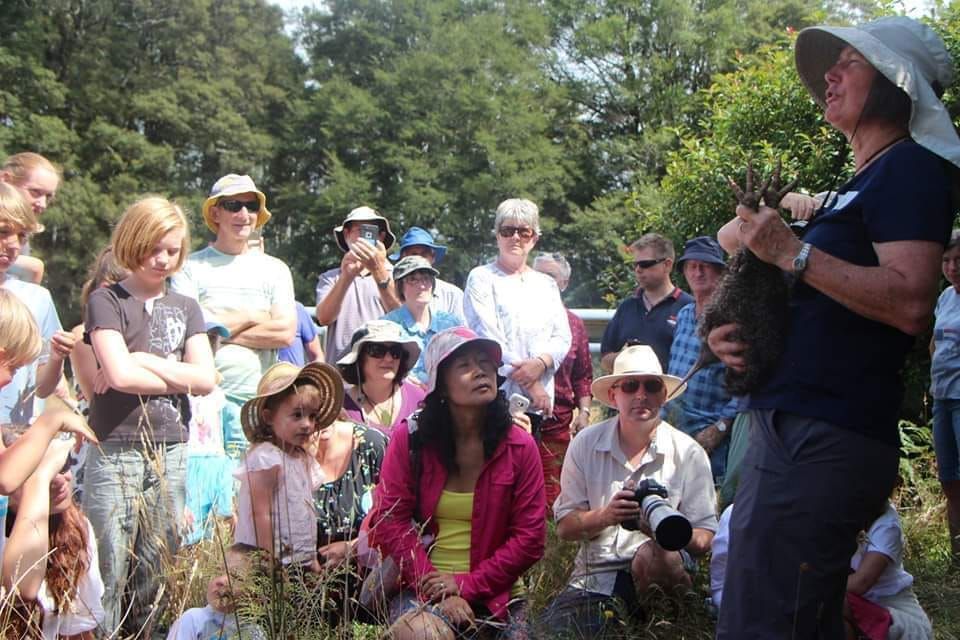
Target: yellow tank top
{"x": 451, "y": 550}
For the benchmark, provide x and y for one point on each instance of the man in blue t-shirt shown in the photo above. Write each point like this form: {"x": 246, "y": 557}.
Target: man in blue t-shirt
{"x": 306, "y": 344}
{"x": 649, "y": 316}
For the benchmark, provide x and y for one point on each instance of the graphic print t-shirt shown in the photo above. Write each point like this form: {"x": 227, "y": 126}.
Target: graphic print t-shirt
{"x": 161, "y": 328}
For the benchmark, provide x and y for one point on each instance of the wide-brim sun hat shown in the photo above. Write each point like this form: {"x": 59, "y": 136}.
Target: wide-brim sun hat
{"x": 417, "y": 236}
{"x": 364, "y": 214}
{"x": 280, "y": 377}
{"x": 906, "y": 52}
{"x": 380, "y": 331}
{"x": 410, "y": 264}
{"x": 231, "y": 185}
{"x": 449, "y": 341}
{"x": 638, "y": 361}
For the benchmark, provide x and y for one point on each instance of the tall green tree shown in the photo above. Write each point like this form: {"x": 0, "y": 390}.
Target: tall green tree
{"x": 137, "y": 96}
{"x": 431, "y": 111}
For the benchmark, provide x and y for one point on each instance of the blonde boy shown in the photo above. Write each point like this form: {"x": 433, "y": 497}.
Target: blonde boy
{"x": 20, "y": 345}
{"x": 39, "y": 378}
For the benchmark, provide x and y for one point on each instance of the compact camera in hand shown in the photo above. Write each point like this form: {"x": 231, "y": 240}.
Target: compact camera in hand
{"x": 671, "y": 529}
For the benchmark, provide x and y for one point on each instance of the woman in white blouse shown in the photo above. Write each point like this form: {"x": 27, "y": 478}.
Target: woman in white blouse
{"x": 507, "y": 301}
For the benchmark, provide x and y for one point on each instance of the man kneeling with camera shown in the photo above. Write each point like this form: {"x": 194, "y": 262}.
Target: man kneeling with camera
{"x": 637, "y": 493}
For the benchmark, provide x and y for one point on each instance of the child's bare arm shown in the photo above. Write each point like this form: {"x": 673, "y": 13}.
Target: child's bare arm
{"x": 21, "y": 458}
{"x": 25, "y": 553}
{"x": 263, "y": 485}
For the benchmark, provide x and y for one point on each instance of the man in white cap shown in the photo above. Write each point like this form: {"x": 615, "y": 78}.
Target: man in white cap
{"x": 618, "y": 557}
{"x": 249, "y": 292}
{"x": 362, "y": 287}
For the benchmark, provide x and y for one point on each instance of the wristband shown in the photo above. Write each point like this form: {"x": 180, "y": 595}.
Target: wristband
{"x": 544, "y": 363}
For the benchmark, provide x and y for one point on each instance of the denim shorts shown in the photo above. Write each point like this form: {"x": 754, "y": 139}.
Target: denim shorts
{"x": 946, "y": 438}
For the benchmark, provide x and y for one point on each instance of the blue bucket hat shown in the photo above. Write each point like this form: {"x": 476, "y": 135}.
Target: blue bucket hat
{"x": 704, "y": 249}
{"x": 418, "y": 236}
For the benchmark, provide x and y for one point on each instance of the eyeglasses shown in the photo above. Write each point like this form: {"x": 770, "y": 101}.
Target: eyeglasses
{"x": 646, "y": 264}
{"x": 650, "y": 385}
{"x": 233, "y": 206}
{"x": 525, "y": 233}
{"x": 378, "y": 350}
{"x": 419, "y": 279}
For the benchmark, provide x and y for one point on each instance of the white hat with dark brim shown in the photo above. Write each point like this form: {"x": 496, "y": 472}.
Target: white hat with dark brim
{"x": 906, "y": 52}
{"x": 638, "y": 361}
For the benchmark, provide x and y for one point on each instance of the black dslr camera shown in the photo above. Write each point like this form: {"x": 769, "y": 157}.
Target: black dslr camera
{"x": 671, "y": 529}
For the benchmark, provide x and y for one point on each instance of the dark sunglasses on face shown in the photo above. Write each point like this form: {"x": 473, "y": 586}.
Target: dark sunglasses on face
{"x": 525, "y": 233}
{"x": 650, "y": 385}
{"x": 377, "y": 350}
{"x": 233, "y": 206}
{"x": 646, "y": 264}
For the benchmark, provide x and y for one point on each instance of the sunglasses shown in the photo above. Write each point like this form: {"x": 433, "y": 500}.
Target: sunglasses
{"x": 646, "y": 264}
{"x": 377, "y": 350}
{"x": 233, "y": 206}
{"x": 525, "y": 233}
{"x": 650, "y": 385}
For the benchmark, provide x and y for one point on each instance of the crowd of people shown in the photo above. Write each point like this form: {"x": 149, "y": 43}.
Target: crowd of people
{"x": 418, "y": 454}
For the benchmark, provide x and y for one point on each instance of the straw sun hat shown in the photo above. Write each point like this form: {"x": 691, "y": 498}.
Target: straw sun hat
{"x": 634, "y": 362}
{"x": 280, "y": 377}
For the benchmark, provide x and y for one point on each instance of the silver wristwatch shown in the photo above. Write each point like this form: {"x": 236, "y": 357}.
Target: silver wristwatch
{"x": 800, "y": 262}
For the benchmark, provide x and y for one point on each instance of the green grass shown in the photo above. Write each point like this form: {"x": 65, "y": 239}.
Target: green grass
{"x": 919, "y": 501}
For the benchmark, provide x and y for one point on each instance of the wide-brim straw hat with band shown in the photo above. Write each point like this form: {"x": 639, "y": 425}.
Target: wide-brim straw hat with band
{"x": 638, "y": 361}
{"x": 447, "y": 342}
{"x": 906, "y": 52}
{"x": 231, "y": 185}
{"x": 380, "y": 331}
{"x": 280, "y": 377}
{"x": 361, "y": 215}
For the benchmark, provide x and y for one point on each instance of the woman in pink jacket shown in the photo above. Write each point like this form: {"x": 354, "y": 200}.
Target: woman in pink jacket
{"x": 462, "y": 472}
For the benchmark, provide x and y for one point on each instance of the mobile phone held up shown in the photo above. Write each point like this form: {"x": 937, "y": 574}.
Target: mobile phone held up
{"x": 518, "y": 404}
{"x": 370, "y": 233}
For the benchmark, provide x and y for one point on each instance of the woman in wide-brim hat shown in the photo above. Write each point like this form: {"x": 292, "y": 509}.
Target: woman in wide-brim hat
{"x": 463, "y": 472}
{"x": 380, "y": 395}
{"x": 824, "y": 428}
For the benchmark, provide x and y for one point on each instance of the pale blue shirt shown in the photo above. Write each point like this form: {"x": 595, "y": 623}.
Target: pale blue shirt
{"x": 223, "y": 282}
{"x": 945, "y": 364}
{"x": 17, "y": 399}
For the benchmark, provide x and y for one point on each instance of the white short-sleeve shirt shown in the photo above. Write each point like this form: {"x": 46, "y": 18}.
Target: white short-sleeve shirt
{"x": 292, "y": 507}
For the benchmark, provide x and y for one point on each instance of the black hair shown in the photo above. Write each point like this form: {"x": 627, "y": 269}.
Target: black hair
{"x": 399, "y": 283}
{"x": 435, "y": 424}
{"x": 886, "y": 101}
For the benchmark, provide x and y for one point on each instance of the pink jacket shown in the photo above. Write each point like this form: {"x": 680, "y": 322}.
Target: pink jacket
{"x": 509, "y": 516}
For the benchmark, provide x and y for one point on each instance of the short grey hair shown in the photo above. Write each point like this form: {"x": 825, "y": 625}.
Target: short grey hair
{"x": 661, "y": 245}
{"x": 555, "y": 257}
{"x": 519, "y": 209}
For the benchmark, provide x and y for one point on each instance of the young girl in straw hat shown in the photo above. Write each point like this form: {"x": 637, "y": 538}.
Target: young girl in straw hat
{"x": 277, "y": 477}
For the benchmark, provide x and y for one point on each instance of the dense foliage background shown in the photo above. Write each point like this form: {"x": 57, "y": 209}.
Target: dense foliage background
{"x": 616, "y": 116}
